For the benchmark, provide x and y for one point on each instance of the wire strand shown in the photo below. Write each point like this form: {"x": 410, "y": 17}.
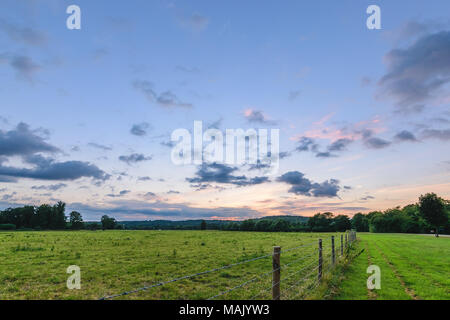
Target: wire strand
{"x": 184, "y": 277}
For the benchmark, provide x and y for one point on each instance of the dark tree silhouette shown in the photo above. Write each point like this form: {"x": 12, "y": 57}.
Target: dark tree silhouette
{"x": 76, "y": 220}
{"x": 432, "y": 208}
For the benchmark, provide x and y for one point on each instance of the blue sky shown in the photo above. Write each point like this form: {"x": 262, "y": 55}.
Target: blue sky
{"x": 86, "y": 115}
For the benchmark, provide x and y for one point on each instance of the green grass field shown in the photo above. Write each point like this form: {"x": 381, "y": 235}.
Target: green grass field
{"x": 412, "y": 267}
{"x": 33, "y": 265}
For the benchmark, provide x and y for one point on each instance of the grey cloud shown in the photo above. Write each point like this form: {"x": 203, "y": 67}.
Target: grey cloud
{"x": 7, "y": 197}
{"x": 149, "y": 195}
{"x": 405, "y": 136}
{"x": 99, "y": 146}
{"x": 144, "y": 179}
{"x": 284, "y": 154}
{"x": 340, "y": 144}
{"x": 134, "y": 158}
{"x": 48, "y": 169}
{"x": 437, "y": 134}
{"x": 309, "y": 144}
{"x": 169, "y": 144}
{"x": 140, "y": 129}
{"x": 220, "y": 173}
{"x": 306, "y": 144}
{"x": 411, "y": 30}
{"x": 256, "y": 116}
{"x": 23, "y": 141}
{"x": 409, "y": 109}
{"x": 372, "y": 142}
{"x": 325, "y": 155}
{"x": 52, "y": 187}
{"x": 376, "y": 143}
{"x": 303, "y": 186}
{"x": 327, "y": 188}
{"x": 120, "y": 194}
{"x": 166, "y": 99}
{"x": 23, "y": 34}
{"x": 5, "y": 179}
{"x": 259, "y": 166}
{"x": 23, "y": 65}
{"x": 415, "y": 74}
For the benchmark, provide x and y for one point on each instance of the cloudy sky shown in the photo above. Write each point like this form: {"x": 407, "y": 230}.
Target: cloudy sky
{"x": 86, "y": 115}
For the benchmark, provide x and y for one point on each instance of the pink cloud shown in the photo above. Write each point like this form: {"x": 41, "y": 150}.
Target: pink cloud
{"x": 320, "y": 130}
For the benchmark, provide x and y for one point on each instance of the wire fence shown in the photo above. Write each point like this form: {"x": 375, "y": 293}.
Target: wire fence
{"x": 292, "y": 280}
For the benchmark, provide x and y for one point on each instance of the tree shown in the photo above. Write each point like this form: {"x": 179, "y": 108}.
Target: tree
{"x": 43, "y": 217}
{"x": 248, "y": 225}
{"x": 76, "y": 220}
{"x": 280, "y": 225}
{"x": 58, "y": 218}
{"x": 432, "y": 208}
{"x": 263, "y": 225}
{"x": 360, "y": 222}
{"x": 93, "y": 226}
{"x": 321, "y": 222}
{"x": 108, "y": 223}
{"x": 203, "y": 225}
{"x": 342, "y": 223}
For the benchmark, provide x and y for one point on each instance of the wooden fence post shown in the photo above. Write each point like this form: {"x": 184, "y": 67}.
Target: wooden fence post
{"x": 342, "y": 245}
{"x": 346, "y": 240}
{"x": 276, "y": 274}
{"x": 333, "y": 257}
{"x": 320, "y": 260}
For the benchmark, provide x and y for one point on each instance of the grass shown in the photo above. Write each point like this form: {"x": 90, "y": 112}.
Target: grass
{"x": 412, "y": 267}
{"x": 33, "y": 265}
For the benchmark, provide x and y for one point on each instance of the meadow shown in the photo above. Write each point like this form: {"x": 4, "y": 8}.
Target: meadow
{"x": 33, "y": 265}
{"x": 413, "y": 267}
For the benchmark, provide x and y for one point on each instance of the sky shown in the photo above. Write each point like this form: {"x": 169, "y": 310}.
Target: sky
{"x": 87, "y": 115}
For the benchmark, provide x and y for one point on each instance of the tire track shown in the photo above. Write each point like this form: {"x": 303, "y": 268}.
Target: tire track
{"x": 422, "y": 271}
{"x": 371, "y": 294}
{"x": 408, "y": 291}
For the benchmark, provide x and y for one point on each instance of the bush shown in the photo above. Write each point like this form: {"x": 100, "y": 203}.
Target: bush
{"x": 7, "y": 226}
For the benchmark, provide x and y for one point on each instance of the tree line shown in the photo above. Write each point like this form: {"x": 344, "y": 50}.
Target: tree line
{"x": 46, "y": 217}
{"x": 430, "y": 213}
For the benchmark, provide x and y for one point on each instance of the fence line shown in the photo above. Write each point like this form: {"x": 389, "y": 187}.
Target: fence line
{"x": 279, "y": 282}
{"x": 327, "y": 243}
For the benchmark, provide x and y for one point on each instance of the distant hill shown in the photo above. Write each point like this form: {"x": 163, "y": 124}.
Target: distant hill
{"x": 195, "y": 224}
{"x": 288, "y": 218}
